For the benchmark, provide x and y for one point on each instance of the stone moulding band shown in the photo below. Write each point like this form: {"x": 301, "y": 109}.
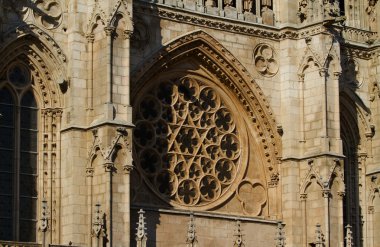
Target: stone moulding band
{"x": 205, "y": 214}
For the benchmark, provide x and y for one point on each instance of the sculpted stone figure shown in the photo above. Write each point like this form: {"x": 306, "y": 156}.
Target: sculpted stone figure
{"x": 228, "y": 3}
{"x": 247, "y": 5}
{"x": 302, "y": 10}
{"x": 267, "y": 3}
{"x": 372, "y": 15}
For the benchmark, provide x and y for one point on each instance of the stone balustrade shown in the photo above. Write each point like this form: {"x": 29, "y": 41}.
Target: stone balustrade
{"x": 246, "y": 10}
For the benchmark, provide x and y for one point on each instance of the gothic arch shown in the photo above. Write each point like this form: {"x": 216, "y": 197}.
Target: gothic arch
{"x": 356, "y": 133}
{"x": 217, "y": 59}
{"x": 205, "y": 59}
{"x": 46, "y": 63}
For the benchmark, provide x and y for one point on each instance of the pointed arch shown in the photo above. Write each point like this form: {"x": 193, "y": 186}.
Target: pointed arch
{"x": 190, "y": 65}
{"x": 206, "y": 50}
{"x": 356, "y": 130}
{"x": 45, "y": 60}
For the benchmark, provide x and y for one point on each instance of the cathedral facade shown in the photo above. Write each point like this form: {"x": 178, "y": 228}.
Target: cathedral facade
{"x": 189, "y": 123}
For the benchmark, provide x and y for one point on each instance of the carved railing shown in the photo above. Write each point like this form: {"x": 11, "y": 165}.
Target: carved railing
{"x": 358, "y": 35}
{"x": 246, "y": 10}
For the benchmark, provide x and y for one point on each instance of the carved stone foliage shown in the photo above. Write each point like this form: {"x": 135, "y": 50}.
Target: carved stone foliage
{"x": 48, "y": 13}
{"x": 265, "y": 60}
{"x": 187, "y": 143}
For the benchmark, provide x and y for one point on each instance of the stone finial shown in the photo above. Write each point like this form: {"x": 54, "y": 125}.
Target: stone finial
{"x": 280, "y": 235}
{"x": 319, "y": 237}
{"x": 191, "y": 240}
{"x": 44, "y": 221}
{"x": 349, "y": 238}
{"x": 238, "y": 235}
{"x": 98, "y": 227}
{"x": 141, "y": 235}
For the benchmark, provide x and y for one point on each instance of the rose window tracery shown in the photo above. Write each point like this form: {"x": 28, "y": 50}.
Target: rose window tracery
{"x": 187, "y": 144}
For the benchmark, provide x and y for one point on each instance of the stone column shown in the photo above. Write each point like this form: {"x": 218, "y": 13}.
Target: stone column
{"x": 90, "y": 43}
{"x": 303, "y": 198}
{"x": 341, "y": 218}
{"x": 127, "y": 200}
{"x": 108, "y": 104}
{"x": 326, "y": 196}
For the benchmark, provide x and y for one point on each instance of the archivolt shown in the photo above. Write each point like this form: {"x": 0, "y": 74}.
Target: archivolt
{"x": 45, "y": 60}
{"x": 203, "y": 48}
{"x": 355, "y": 117}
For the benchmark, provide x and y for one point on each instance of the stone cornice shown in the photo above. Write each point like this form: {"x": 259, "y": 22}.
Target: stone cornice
{"x": 357, "y": 38}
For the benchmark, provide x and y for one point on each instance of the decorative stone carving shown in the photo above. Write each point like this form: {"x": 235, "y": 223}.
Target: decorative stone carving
{"x": 349, "y": 238}
{"x": 98, "y": 224}
{"x": 319, "y": 236}
{"x": 239, "y": 242}
{"x": 191, "y": 239}
{"x": 280, "y": 235}
{"x": 141, "y": 235}
{"x": 48, "y": 13}
{"x": 303, "y": 10}
{"x": 267, "y": 13}
{"x": 187, "y": 143}
{"x": 251, "y": 196}
{"x": 214, "y": 56}
{"x": 265, "y": 60}
{"x": 248, "y": 5}
{"x": 372, "y": 15}
{"x": 331, "y": 8}
{"x": 44, "y": 224}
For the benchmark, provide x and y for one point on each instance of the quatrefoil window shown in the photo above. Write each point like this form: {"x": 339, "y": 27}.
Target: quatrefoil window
{"x": 187, "y": 144}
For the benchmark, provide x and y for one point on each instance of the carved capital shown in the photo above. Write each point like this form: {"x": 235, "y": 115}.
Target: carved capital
{"x": 323, "y": 72}
{"x": 89, "y": 172}
{"x": 371, "y": 209}
{"x": 109, "y": 166}
{"x": 109, "y": 31}
{"x": 128, "y": 169}
{"x": 127, "y": 34}
{"x": 90, "y": 37}
{"x": 341, "y": 194}
{"x": 337, "y": 75}
{"x": 303, "y": 196}
{"x": 326, "y": 193}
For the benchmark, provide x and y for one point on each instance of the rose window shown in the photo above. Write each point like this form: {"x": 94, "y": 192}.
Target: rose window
{"x": 186, "y": 143}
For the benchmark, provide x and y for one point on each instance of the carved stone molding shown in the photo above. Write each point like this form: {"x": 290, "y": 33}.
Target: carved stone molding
{"x": 231, "y": 73}
{"x": 243, "y": 28}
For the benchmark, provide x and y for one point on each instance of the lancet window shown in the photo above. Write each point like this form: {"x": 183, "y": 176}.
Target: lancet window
{"x": 18, "y": 156}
